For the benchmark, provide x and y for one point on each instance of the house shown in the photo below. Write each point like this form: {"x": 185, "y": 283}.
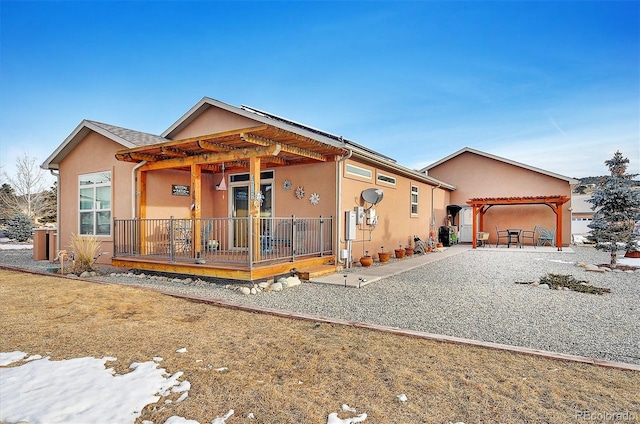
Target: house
{"x": 581, "y": 214}
{"x": 497, "y": 193}
{"x": 236, "y": 192}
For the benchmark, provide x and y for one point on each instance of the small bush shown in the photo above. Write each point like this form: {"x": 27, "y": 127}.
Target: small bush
{"x": 19, "y": 228}
{"x": 85, "y": 252}
{"x": 558, "y": 280}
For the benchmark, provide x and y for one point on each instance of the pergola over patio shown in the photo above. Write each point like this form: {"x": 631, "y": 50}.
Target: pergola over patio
{"x": 482, "y": 205}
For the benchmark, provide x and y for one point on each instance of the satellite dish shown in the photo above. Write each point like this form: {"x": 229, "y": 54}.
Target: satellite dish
{"x": 372, "y": 195}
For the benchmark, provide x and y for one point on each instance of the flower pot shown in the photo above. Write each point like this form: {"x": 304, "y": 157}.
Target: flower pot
{"x": 366, "y": 261}
{"x": 632, "y": 254}
{"x": 439, "y": 246}
{"x": 429, "y": 248}
{"x": 399, "y": 253}
{"x": 384, "y": 256}
{"x": 408, "y": 251}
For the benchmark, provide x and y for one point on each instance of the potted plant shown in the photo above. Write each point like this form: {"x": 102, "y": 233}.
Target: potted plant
{"x": 400, "y": 252}
{"x": 408, "y": 250}
{"x": 366, "y": 260}
{"x": 384, "y": 256}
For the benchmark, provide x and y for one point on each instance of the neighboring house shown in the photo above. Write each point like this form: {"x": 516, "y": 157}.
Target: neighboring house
{"x": 581, "y": 214}
{"x": 506, "y": 193}
{"x": 234, "y": 192}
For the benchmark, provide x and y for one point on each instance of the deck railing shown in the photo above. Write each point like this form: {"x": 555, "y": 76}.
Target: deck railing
{"x": 224, "y": 240}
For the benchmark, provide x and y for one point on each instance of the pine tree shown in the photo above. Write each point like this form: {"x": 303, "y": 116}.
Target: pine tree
{"x": 616, "y": 207}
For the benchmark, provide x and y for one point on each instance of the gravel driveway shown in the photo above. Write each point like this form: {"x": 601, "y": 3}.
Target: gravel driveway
{"x": 471, "y": 295}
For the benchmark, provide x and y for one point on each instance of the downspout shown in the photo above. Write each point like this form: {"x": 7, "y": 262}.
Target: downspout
{"x": 133, "y": 187}
{"x": 338, "y": 218}
{"x": 57, "y": 207}
{"x": 433, "y": 218}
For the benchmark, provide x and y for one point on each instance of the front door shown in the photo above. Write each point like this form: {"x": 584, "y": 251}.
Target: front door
{"x": 240, "y": 209}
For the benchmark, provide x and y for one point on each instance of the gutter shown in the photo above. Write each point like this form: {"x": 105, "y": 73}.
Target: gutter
{"x": 57, "y": 175}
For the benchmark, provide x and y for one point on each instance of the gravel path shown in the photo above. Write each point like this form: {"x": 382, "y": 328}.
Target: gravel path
{"x": 472, "y": 295}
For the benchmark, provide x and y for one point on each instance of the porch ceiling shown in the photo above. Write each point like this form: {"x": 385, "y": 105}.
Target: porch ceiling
{"x": 275, "y": 146}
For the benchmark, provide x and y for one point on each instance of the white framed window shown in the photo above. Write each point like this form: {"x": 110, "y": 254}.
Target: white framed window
{"x": 95, "y": 204}
{"x": 414, "y": 200}
{"x": 386, "y": 179}
{"x": 359, "y": 172}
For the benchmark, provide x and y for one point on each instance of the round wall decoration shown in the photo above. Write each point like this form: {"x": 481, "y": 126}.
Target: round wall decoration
{"x": 314, "y": 198}
{"x": 299, "y": 192}
{"x": 286, "y": 185}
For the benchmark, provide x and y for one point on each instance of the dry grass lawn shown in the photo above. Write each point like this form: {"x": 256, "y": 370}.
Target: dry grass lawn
{"x": 295, "y": 371}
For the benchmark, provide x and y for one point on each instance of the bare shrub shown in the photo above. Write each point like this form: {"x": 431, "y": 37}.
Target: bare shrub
{"x": 85, "y": 252}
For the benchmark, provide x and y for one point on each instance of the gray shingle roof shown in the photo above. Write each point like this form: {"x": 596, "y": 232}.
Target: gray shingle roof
{"x": 135, "y": 137}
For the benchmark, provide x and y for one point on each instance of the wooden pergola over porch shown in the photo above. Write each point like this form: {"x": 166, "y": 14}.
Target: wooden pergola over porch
{"x": 482, "y": 205}
{"x": 243, "y": 150}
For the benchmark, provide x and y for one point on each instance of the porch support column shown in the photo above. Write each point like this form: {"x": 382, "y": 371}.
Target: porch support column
{"x": 254, "y": 206}
{"x": 196, "y": 210}
{"x": 474, "y": 227}
{"x": 559, "y": 227}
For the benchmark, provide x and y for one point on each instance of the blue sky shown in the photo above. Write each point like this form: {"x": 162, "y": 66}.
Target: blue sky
{"x": 555, "y": 85}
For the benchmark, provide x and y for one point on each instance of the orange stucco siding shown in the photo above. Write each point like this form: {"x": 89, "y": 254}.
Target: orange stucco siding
{"x": 479, "y": 176}
{"x": 214, "y": 120}
{"x": 94, "y": 153}
{"x": 396, "y": 224}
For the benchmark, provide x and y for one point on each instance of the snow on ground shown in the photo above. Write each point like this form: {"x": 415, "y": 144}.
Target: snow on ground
{"x": 12, "y": 246}
{"x": 85, "y": 390}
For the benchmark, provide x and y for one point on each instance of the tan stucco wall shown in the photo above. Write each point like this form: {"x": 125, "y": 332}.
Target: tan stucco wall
{"x": 396, "y": 224}
{"x": 214, "y": 120}
{"x": 94, "y": 153}
{"x": 478, "y": 176}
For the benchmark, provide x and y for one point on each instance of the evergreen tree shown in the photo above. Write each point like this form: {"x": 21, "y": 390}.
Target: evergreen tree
{"x": 19, "y": 228}
{"x": 49, "y": 210}
{"x": 616, "y": 207}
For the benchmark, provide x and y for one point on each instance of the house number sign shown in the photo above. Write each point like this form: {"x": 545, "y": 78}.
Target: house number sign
{"x": 180, "y": 190}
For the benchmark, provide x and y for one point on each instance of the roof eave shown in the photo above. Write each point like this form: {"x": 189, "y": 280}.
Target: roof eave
{"x": 78, "y": 134}
{"x": 570, "y": 180}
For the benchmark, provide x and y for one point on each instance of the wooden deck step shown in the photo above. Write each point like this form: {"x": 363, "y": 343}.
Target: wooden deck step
{"x": 308, "y": 273}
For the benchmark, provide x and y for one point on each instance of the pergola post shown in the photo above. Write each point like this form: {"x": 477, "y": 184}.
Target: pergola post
{"x": 254, "y": 205}
{"x": 196, "y": 210}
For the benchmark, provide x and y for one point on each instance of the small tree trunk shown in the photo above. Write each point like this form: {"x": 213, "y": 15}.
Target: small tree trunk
{"x": 614, "y": 256}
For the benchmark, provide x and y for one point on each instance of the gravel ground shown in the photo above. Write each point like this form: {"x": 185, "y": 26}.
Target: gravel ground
{"x": 472, "y": 295}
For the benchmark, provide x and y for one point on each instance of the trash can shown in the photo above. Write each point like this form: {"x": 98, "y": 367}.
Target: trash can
{"x": 443, "y": 235}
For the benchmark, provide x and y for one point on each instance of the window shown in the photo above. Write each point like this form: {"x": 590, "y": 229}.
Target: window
{"x": 360, "y": 172}
{"x": 414, "y": 200}
{"x": 386, "y": 179}
{"x": 95, "y": 204}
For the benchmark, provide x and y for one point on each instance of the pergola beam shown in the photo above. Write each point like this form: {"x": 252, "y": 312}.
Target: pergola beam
{"x": 299, "y": 151}
{"x": 212, "y": 158}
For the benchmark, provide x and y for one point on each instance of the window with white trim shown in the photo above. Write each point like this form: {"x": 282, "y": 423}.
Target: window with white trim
{"x": 414, "y": 200}
{"x": 360, "y": 172}
{"x": 382, "y": 178}
{"x": 95, "y": 204}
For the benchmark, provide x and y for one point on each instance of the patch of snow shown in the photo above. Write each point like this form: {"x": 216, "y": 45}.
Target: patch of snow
{"x": 402, "y": 397}
{"x": 221, "y": 420}
{"x": 11, "y": 357}
{"x": 333, "y": 419}
{"x": 78, "y": 390}
{"x": 181, "y": 350}
{"x": 10, "y": 246}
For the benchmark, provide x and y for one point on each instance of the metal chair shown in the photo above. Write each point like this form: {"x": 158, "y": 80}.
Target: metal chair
{"x": 502, "y": 234}
{"x": 528, "y": 235}
{"x": 545, "y": 236}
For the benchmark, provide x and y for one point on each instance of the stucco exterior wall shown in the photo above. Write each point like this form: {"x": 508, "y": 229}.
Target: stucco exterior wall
{"x": 396, "y": 224}
{"x": 479, "y": 176}
{"x": 94, "y": 153}
{"x": 214, "y": 120}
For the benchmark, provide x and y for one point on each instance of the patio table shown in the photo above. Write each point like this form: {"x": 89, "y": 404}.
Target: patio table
{"x": 514, "y": 237}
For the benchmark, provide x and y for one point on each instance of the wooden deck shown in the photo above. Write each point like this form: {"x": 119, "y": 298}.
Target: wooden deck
{"x": 229, "y": 271}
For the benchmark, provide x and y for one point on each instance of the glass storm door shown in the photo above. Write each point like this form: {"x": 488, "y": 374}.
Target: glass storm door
{"x": 240, "y": 209}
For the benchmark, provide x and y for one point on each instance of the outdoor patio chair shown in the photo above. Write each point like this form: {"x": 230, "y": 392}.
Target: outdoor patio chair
{"x": 528, "y": 235}
{"x": 482, "y": 239}
{"x": 545, "y": 236}
{"x": 502, "y": 234}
